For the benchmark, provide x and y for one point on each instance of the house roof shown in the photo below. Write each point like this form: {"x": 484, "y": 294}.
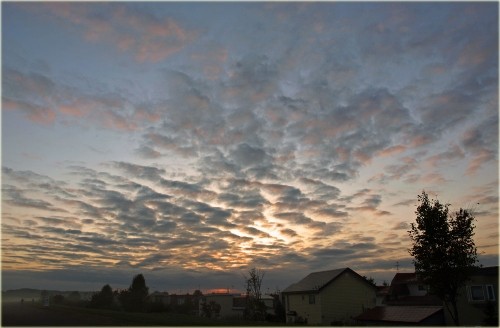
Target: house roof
{"x": 404, "y": 278}
{"x": 425, "y": 300}
{"x": 399, "y": 314}
{"x": 486, "y": 271}
{"x": 315, "y": 281}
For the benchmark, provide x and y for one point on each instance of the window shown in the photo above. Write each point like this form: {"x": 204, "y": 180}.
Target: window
{"x": 421, "y": 287}
{"x": 491, "y": 292}
{"x": 477, "y": 293}
{"x": 481, "y": 293}
{"x": 312, "y": 299}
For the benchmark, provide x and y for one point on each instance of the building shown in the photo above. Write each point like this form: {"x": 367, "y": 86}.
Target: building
{"x": 229, "y": 305}
{"x": 328, "y": 297}
{"x": 408, "y": 290}
{"x": 406, "y": 302}
{"x": 233, "y": 305}
{"x": 382, "y": 295}
{"x": 478, "y": 299}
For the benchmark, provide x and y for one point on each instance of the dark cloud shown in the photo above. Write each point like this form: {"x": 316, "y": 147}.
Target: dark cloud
{"x": 16, "y": 197}
{"x": 148, "y": 152}
{"x": 140, "y": 171}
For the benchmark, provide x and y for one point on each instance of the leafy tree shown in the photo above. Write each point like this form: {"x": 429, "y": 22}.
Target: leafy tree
{"x": 255, "y": 309}
{"x": 102, "y": 299}
{"x": 279, "y": 308}
{"x": 210, "y": 309}
{"x": 74, "y": 297}
{"x": 443, "y": 249}
{"x": 133, "y": 299}
{"x": 370, "y": 280}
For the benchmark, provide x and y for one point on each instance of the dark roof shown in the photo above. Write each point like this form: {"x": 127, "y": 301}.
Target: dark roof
{"x": 426, "y": 300}
{"x": 486, "y": 271}
{"x": 401, "y": 314}
{"x": 404, "y": 278}
{"x": 315, "y": 281}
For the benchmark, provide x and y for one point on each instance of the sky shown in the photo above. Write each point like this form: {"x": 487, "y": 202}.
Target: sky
{"x": 191, "y": 142}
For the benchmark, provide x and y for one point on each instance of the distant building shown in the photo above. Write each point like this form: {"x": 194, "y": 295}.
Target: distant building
{"x": 382, "y": 295}
{"x": 184, "y": 303}
{"x": 407, "y": 289}
{"x": 329, "y": 297}
{"x": 232, "y": 305}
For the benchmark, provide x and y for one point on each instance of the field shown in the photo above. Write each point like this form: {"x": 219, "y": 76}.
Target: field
{"x": 28, "y": 314}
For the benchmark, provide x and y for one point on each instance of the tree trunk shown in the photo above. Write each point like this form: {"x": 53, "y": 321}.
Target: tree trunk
{"x": 455, "y": 313}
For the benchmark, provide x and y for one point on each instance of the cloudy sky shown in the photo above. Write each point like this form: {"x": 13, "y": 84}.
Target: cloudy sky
{"x": 193, "y": 141}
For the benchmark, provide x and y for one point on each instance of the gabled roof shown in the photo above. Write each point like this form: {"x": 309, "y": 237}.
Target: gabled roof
{"x": 486, "y": 271}
{"x": 404, "y": 278}
{"x": 426, "y": 300}
{"x": 315, "y": 281}
{"x": 399, "y": 314}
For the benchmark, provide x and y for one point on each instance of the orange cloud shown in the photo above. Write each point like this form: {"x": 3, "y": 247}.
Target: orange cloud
{"x": 481, "y": 157}
{"x": 146, "y": 37}
{"x": 392, "y": 150}
{"x": 35, "y": 113}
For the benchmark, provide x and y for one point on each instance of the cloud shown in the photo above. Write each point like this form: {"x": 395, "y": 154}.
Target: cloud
{"x": 34, "y": 112}
{"x": 16, "y": 197}
{"x": 478, "y": 141}
{"x": 45, "y": 100}
{"x": 246, "y": 155}
{"x": 147, "y": 152}
{"x": 140, "y": 171}
{"x": 147, "y": 37}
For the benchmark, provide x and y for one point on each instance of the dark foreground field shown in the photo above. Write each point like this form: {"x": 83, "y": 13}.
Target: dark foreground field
{"x": 27, "y": 314}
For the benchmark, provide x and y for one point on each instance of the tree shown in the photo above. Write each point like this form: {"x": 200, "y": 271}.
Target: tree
{"x": 210, "y": 309}
{"x": 370, "y": 280}
{"x": 255, "y": 309}
{"x": 443, "y": 249}
{"x": 102, "y": 299}
{"x": 134, "y": 298}
{"x": 74, "y": 297}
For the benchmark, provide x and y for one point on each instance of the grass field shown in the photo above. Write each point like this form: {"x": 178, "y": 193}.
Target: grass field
{"x": 17, "y": 314}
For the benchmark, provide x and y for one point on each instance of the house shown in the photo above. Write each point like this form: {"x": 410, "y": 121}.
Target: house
{"x": 478, "y": 299}
{"x": 408, "y": 290}
{"x": 160, "y": 297}
{"x": 328, "y": 297}
{"x": 382, "y": 295}
{"x": 231, "y": 305}
{"x": 402, "y": 316}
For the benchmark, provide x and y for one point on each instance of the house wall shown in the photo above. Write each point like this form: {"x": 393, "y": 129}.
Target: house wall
{"x": 300, "y": 304}
{"x": 346, "y": 297}
{"x": 415, "y": 291}
{"x": 471, "y": 313}
{"x": 226, "y": 303}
